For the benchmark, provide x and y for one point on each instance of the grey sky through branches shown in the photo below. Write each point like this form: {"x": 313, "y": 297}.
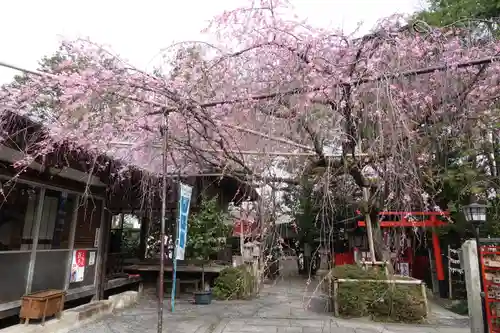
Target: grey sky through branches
{"x": 138, "y": 30}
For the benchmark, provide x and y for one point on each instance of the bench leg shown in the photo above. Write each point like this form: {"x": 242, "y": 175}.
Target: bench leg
{"x": 61, "y": 308}
{"x": 44, "y": 311}
{"x": 177, "y": 287}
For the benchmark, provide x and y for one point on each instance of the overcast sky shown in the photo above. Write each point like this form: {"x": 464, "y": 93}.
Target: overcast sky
{"x": 138, "y": 30}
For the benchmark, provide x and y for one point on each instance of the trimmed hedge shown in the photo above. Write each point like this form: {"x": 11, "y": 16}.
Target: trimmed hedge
{"x": 379, "y": 301}
{"x": 234, "y": 283}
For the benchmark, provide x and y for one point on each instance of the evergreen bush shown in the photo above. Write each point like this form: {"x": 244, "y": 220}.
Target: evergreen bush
{"x": 379, "y": 301}
{"x": 234, "y": 283}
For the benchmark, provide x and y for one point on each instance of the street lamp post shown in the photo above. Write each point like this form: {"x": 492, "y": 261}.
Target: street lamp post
{"x": 475, "y": 214}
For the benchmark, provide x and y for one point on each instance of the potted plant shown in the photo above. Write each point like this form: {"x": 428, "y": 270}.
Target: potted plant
{"x": 207, "y": 234}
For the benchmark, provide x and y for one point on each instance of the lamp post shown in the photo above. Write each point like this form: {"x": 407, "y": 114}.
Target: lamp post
{"x": 475, "y": 214}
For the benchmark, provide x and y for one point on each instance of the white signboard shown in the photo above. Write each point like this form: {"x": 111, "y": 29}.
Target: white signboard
{"x": 78, "y": 266}
{"x": 184, "y": 202}
{"x": 404, "y": 269}
{"x": 96, "y": 238}
{"x": 91, "y": 258}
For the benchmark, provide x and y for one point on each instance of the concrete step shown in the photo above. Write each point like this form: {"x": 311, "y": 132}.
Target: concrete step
{"x": 73, "y": 318}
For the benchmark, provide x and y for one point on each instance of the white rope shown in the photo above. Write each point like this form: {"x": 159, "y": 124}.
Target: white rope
{"x": 459, "y": 269}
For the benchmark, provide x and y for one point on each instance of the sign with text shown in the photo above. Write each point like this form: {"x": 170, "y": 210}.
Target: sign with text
{"x": 184, "y": 202}
{"x": 404, "y": 269}
{"x": 91, "y": 258}
{"x": 96, "y": 237}
{"x": 78, "y": 265}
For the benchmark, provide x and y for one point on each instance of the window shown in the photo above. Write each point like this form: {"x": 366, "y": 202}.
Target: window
{"x": 55, "y": 224}
{"x": 125, "y": 234}
{"x": 18, "y": 203}
{"x": 18, "y": 218}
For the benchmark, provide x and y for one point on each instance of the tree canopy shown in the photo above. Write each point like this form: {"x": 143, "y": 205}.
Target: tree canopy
{"x": 482, "y": 14}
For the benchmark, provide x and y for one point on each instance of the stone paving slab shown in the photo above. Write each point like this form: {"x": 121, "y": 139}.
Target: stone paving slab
{"x": 284, "y": 308}
{"x": 324, "y": 326}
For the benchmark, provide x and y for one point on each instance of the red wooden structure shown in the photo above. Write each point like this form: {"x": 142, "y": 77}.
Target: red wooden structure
{"x": 490, "y": 267}
{"x": 430, "y": 219}
{"x": 344, "y": 258}
{"x": 248, "y": 227}
{"x": 415, "y": 219}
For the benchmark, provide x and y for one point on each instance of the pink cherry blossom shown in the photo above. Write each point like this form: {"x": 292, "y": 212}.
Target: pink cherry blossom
{"x": 272, "y": 85}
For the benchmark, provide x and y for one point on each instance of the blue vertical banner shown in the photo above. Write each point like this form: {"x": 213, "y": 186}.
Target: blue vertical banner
{"x": 182, "y": 227}
{"x": 184, "y": 203}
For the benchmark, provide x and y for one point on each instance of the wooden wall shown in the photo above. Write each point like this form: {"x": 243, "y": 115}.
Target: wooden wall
{"x": 88, "y": 220}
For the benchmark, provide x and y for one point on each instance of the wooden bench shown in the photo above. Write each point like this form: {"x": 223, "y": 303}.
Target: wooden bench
{"x": 194, "y": 282}
{"x": 42, "y": 304}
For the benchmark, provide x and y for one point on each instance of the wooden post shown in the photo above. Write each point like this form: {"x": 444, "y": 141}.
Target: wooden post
{"x": 38, "y": 219}
{"x": 424, "y": 295}
{"x": 450, "y": 284}
{"x": 335, "y": 296}
{"x": 164, "y": 199}
{"x": 329, "y": 281}
{"x": 102, "y": 252}
{"x": 71, "y": 241}
{"x": 432, "y": 265}
{"x": 104, "y": 239}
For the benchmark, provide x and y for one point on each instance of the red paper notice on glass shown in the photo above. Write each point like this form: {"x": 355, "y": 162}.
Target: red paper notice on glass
{"x": 81, "y": 256}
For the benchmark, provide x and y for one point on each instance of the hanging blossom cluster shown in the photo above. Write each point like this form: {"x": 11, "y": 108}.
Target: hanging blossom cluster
{"x": 276, "y": 85}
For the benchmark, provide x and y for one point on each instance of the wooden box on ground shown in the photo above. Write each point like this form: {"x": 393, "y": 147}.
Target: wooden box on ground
{"x": 42, "y": 304}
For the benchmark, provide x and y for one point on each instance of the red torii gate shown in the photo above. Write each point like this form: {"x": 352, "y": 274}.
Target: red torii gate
{"x": 432, "y": 221}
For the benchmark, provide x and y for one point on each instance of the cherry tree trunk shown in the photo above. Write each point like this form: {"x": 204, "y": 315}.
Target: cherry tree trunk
{"x": 382, "y": 251}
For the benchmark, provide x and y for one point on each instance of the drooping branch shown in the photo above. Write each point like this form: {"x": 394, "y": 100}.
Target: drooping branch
{"x": 356, "y": 82}
{"x": 288, "y": 142}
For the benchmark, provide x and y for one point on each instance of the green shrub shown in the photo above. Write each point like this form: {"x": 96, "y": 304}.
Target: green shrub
{"x": 234, "y": 283}
{"x": 356, "y": 272}
{"x": 380, "y": 301}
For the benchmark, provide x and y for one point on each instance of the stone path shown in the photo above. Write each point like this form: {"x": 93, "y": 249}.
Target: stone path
{"x": 444, "y": 317}
{"x": 279, "y": 309}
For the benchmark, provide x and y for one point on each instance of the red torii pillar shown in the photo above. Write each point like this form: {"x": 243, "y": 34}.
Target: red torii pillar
{"x": 437, "y": 250}
{"x": 432, "y": 222}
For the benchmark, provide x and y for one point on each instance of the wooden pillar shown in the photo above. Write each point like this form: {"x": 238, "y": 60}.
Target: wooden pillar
{"x": 102, "y": 252}
{"x": 411, "y": 254}
{"x": 36, "y": 234}
{"x": 71, "y": 242}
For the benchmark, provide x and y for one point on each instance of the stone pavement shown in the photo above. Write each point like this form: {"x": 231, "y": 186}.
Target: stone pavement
{"x": 280, "y": 308}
